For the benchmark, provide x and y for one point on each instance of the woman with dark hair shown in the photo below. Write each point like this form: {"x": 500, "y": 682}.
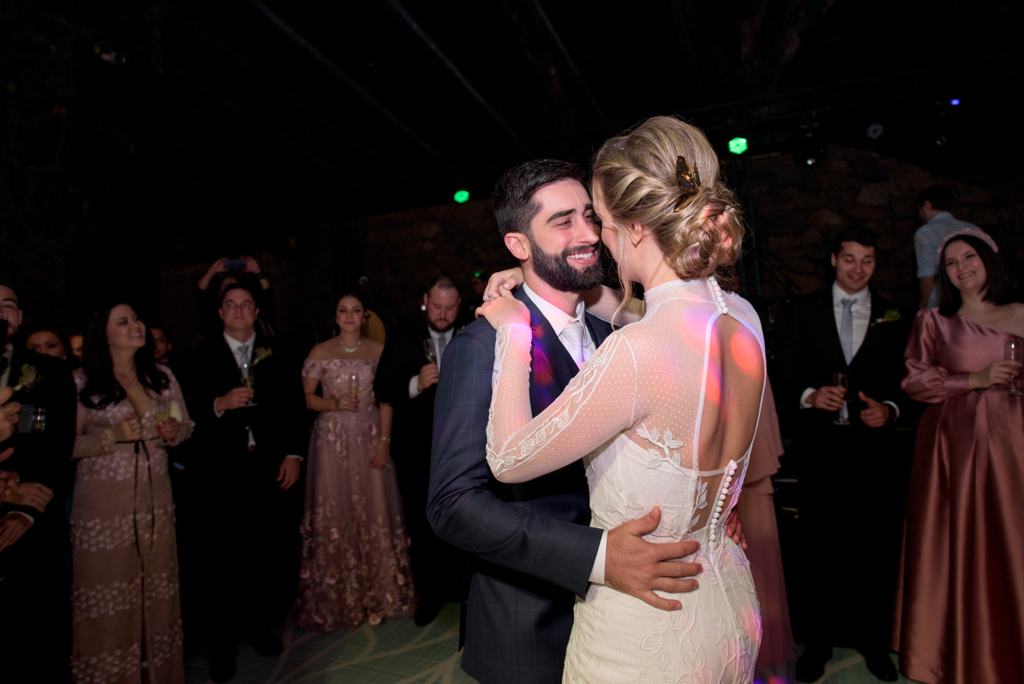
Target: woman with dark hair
{"x": 49, "y": 342}
{"x": 958, "y": 615}
{"x": 127, "y": 619}
{"x": 355, "y": 550}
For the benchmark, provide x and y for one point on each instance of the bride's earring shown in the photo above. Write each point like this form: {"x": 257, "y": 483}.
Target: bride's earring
{"x": 633, "y": 238}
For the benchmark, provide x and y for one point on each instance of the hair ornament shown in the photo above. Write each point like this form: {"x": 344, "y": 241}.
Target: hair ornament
{"x": 689, "y": 182}
{"x": 973, "y": 232}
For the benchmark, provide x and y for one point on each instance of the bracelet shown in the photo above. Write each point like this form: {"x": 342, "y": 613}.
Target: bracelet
{"x": 386, "y": 439}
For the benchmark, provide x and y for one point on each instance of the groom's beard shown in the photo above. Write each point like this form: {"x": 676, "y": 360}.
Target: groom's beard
{"x": 556, "y": 271}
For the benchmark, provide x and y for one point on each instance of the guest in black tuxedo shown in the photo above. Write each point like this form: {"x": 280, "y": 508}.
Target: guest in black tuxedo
{"x": 33, "y": 519}
{"x": 249, "y": 440}
{"x": 209, "y": 293}
{"x": 846, "y": 471}
{"x": 534, "y": 549}
{"x": 407, "y": 380}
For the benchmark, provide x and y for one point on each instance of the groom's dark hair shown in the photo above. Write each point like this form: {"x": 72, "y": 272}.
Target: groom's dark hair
{"x": 512, "y": 200}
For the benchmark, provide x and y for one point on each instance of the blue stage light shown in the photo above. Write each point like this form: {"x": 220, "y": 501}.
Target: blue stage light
{"x": 954, "y": 102}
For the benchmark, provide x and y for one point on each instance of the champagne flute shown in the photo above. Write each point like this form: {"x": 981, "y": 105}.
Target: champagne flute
{"x": 353, "y": 384}
{"x": 248, "y": 380}
{"x": 1014, "y": 352}
{"x": 841, "y": 380}
{"x": 163, "y": 413}
{"x": 429, "y": 350}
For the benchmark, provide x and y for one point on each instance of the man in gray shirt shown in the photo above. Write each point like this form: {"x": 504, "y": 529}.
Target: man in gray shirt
{"x": 933, "y": 205}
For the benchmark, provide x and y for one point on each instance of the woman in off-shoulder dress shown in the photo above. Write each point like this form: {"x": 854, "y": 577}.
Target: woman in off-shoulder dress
{"x": 355, "y": 550}
{"x": 663, "y": 414}
{"x": 125, "y": 601}
{"x": 958, "y": 609}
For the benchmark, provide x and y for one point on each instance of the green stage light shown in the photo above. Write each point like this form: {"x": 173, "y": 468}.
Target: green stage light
{"x": 462, "y": 196}
{"x": 738, "y": 145}
{"x": 478, "y": 274}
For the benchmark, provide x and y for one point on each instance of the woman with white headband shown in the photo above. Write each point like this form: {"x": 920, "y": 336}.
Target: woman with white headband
{"x": 958, "y": 610}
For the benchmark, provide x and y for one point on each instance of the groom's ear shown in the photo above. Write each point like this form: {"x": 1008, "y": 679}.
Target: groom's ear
{"x": 518, "y": 245}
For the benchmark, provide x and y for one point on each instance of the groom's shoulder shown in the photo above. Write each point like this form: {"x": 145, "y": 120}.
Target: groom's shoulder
{"x": 477, "y": 332}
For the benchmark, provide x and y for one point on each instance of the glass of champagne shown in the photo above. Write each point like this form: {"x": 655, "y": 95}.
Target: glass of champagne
{"x": 248, "y": 380}
{"x": 1014, "y": 352}
{"x": 840, "y": 380}
{"x": 353, "y": 384}
{"x": 163, "y": 413}
{"x": 428, "y": 349}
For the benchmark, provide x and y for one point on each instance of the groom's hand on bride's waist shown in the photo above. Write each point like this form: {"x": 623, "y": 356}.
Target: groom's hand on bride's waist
{"x": 638, "y": 567}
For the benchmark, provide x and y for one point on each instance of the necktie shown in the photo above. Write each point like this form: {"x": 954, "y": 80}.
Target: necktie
{"x": 441, "y": 341}
{"x": 572, "y": 335}
{"x": 243, "y": 359}
{"x": 846, "y": 329}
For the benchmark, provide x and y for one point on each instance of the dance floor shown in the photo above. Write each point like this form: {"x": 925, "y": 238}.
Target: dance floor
{"x": 399, "y": 652}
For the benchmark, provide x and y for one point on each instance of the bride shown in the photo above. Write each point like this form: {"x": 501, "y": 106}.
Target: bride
{"x": 663, "y": 414}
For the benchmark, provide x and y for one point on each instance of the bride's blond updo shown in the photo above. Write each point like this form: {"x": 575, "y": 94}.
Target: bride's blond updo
{"x": 635, "y": 175}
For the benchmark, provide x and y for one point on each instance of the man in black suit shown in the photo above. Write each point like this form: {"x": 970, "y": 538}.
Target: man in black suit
{"x": 33, "y": 522}
{"x": 249, "y": 441}
{"x": 846, "y": 470}
{"x": 407, "y": 380}
{"x": 534, "y": 550}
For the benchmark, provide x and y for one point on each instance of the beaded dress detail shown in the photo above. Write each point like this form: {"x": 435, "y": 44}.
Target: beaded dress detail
{"x": 634, "y": 414}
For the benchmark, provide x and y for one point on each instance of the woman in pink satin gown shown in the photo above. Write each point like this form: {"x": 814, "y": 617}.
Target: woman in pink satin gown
{"x": 958, "y": 610}
{"x": 756, "y": 508}
{"x": 355, "y": 550}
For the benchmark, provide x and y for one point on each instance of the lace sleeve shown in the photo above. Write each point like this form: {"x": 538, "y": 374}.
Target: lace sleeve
{"x": 91, "y": 439}
{"x": 598, "y": 404}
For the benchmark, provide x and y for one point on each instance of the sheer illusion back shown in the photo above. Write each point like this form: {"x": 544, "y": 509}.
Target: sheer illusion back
{"x": 635, "y": 413}
{"x": 649, "y": 381}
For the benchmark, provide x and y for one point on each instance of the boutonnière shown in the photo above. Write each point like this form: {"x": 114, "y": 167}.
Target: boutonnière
{"x": 890, "y": 316}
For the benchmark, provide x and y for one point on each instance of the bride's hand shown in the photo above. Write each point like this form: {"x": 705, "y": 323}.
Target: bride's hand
{"x": 502, "y": 281}
{"x": 506, "y": 310}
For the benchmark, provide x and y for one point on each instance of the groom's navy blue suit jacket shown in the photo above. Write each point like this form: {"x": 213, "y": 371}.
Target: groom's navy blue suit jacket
{"x": 533, "y": 547}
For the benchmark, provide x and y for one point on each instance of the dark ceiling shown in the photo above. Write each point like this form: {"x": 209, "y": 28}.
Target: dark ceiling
{"x": 215, "y": 118}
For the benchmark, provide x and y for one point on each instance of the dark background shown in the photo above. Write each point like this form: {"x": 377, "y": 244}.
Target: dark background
{"x": 142, "y": 140}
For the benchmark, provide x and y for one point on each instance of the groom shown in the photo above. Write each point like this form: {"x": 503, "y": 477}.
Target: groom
{"x": 535, "y": 552}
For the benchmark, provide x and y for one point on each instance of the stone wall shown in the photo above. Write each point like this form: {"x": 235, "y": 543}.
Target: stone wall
{"x": 798, "y": 210}
{"x": 401, "y": 252}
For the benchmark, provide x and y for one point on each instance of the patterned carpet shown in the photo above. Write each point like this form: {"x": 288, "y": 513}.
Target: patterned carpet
{"x": 399, "y": 652}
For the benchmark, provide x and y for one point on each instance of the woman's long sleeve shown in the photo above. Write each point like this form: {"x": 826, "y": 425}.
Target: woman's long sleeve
{"x": 596, "y": 405}
{"x": 90, "y": 439}
{"x": 187, "y": 424}
{"x": 926, "y": 380}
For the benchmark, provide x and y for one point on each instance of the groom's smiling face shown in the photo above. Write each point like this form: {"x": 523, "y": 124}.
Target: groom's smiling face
{"x": 565, "y": 238}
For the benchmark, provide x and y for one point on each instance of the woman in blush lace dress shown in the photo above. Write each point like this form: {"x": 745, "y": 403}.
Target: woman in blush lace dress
{"x": 663, "y": 414}
{"x": 958, "y": 610}
{"x": 355, "y": 551}
{"x": 127, "y": 619}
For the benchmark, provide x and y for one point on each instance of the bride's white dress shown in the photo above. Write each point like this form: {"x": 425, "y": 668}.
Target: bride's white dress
{"x": 635, "y": 408}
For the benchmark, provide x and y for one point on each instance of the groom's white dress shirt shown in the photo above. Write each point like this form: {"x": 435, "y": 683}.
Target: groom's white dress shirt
{"x": 559, "y": 320}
